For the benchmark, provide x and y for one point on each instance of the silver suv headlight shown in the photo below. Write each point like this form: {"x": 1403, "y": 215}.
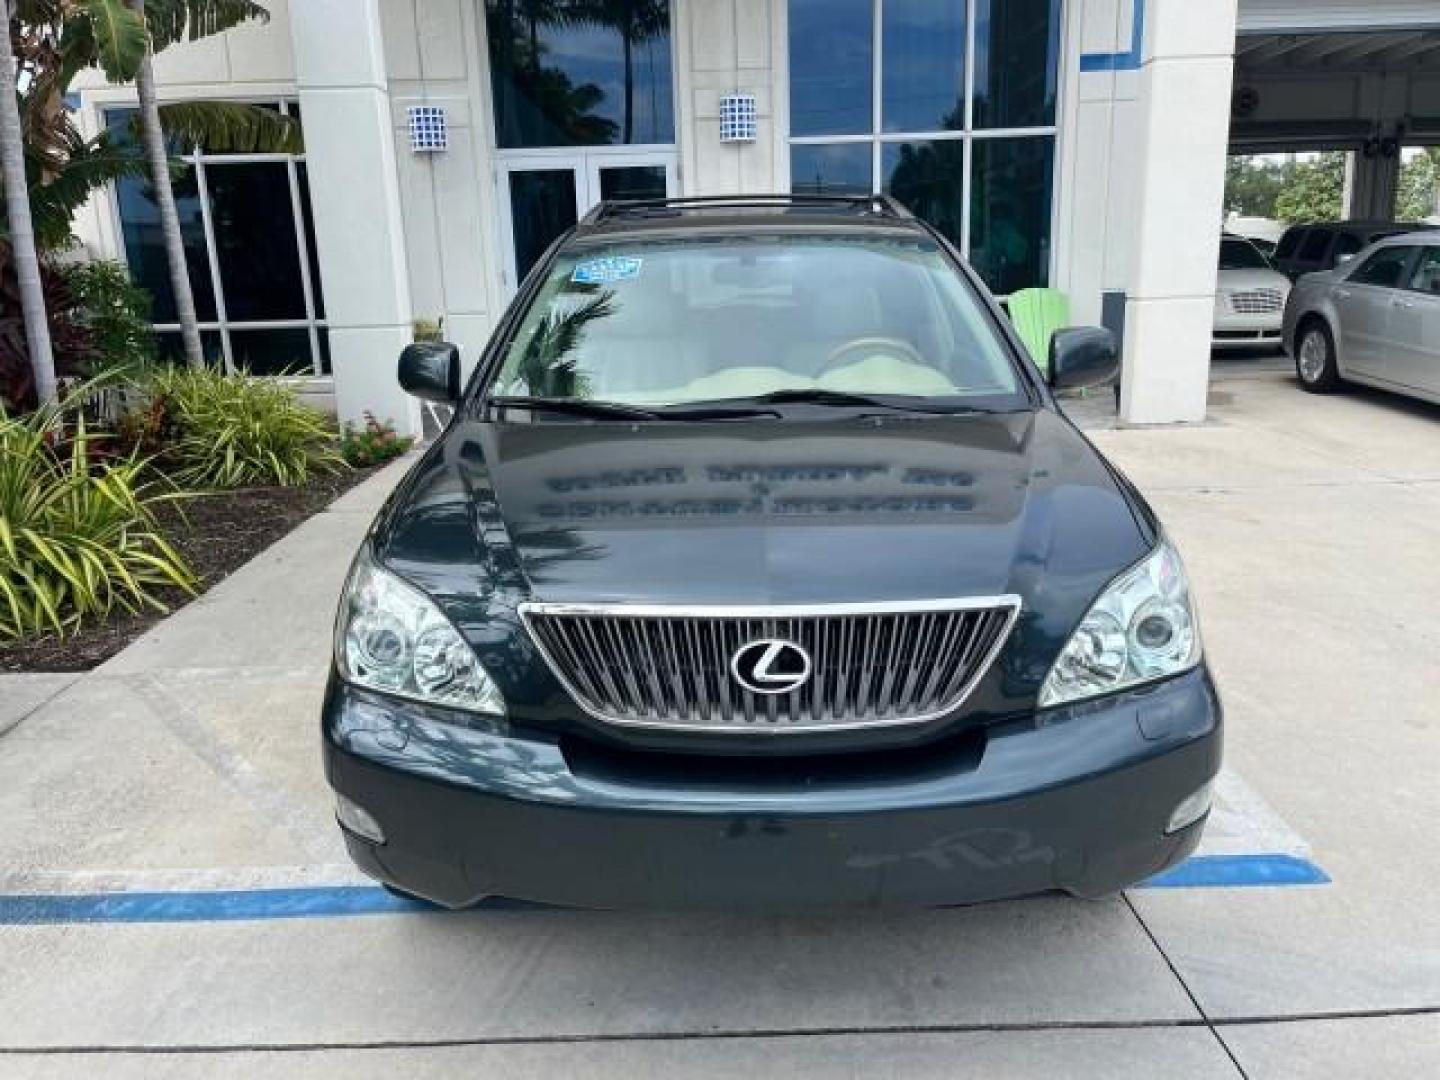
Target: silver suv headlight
{"x": 391, "y": 637}
{"x": 1142, "y": 628}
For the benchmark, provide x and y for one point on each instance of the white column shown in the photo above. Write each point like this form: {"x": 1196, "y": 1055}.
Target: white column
{"x": 1185, "y": 88}
{"x": 340, "y": 71}
{"x": 727, "y": 47}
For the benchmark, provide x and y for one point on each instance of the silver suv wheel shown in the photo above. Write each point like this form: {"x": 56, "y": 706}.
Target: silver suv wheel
{"x": 1314, "y": 355}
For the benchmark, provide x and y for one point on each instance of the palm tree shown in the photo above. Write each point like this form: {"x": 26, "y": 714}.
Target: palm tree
{"x": 152, "y": 135}
{"x": 637, "y": 21}
{"x": 22, "y": 231}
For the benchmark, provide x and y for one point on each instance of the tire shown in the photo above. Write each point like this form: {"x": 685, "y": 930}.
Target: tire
{"x": 1315, "y": 364}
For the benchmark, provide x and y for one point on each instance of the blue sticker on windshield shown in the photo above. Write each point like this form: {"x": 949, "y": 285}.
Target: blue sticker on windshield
{"x": 603, "y": 271}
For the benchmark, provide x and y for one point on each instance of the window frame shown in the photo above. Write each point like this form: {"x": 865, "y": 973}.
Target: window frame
{"x": 967, "y": 135}
{"x": 222, "y": 324}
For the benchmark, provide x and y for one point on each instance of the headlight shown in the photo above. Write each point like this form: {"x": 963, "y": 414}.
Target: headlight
{"x": 1142, "y": 628}
{"x": 390, "y": 637}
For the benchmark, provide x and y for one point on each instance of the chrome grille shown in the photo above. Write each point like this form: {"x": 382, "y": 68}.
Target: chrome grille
{"x": 670, "y": 667}
{"x": 1256, "y": 301}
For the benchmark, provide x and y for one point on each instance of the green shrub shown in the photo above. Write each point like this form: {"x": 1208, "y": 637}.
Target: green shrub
{"x": 115, "y": 312}
{"x": 76, "y": 539}
{"x": 239, "y": 430}
{"x": 372, "y": 442}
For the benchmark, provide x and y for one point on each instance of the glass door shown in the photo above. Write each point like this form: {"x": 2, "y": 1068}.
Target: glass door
{"x": 543, "y": 194}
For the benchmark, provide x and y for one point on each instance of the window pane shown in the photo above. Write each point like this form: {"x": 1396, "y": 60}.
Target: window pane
{"x": 255, "y": 240}
{"x": 831, "y": 58}
{"x": 842, "y": 168}
{"x": 171, "y": 349}
{"x": 324, "y": 336}
{"x": 118, "y": 124}
{"x": 577, "y": 75}
{"x": 303, "y": 175}
{"x": 1385, "y": 268}
{"x": 923, "y": 85}
{"x": 145, "y": 247}
{"x": 1010, "y": 212}
{"x": 1017, "y": 49}
{"x": 1426, "y": 278}
{"x": 632, "y": 182}
{"x": 271, "y": 352}
{"x": 929, "y": 178}
{"x": 542, "y": 206}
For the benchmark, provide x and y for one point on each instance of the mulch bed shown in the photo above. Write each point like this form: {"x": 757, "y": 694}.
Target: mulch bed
{"x": 218, "y": 534}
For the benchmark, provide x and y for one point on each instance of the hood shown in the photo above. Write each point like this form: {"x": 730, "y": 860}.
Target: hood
{"x": 1242, "y": 280}
{"x": 766, "y": 511}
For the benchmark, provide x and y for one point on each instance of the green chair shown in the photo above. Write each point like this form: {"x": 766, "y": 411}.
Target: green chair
{"x": 1037, "y": 314}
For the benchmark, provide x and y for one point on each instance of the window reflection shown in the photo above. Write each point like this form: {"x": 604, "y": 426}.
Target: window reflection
{"x": 271, "y": 352}
{"x": 917, "y": 50}
{"x": 632, "y": 182}
{"x": 837, "y": 169}
{"x": 580, "y": 72}
{"x": 1017, "y": 48}
{"x": 1010, "y": 212}
{"x": 831, "y": 53}
{"x": 924, "y": 70}
{"x": 542, "y": 206}
{"x": 929, "y": 178}
{"x": 145, "y": 246}
{"x": 255, "y": 241}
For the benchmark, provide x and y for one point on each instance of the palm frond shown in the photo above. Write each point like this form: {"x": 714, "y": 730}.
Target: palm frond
{"x": 119, "y": 36}
{"x": 89, "y": 165}
{"x": 179, "y": 20}
{"x": 232, "y": 127}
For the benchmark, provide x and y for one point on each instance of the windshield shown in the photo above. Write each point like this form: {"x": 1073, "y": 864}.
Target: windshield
{"x": 1241, "y": 255}
{"x": 700, "y": 319}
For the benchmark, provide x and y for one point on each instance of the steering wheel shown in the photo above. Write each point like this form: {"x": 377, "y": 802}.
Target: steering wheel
{"x": 901, "y": 350}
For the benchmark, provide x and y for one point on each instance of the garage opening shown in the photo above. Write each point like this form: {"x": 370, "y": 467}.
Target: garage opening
{"x": 1338, "y": 129}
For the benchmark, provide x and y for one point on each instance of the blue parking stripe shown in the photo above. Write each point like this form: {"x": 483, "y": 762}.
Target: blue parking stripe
{"x": 229, "y": 905}
{"x": 1239, "y": 871}
{"x": 210, "y": 906}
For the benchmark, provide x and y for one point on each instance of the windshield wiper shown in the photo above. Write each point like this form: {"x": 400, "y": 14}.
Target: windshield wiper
{"x": 846, "y": 400}
{"x": 575, "y": 407}
{"x": 620, "y": 411}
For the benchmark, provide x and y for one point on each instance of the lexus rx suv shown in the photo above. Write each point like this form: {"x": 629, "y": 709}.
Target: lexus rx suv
{"x": 759, "y": 568}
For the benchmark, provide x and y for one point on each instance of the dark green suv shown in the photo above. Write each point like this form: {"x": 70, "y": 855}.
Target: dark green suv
{"x": 758, "y": 567}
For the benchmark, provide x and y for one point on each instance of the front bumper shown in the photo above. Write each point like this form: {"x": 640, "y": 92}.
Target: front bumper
{"x": 1075, "y": 799}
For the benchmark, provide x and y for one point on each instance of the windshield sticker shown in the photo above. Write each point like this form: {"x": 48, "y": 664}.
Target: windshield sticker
{"x": 602, "y": 271}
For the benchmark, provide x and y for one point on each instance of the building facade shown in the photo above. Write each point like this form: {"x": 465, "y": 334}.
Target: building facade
{"x": 1076, "y": 144}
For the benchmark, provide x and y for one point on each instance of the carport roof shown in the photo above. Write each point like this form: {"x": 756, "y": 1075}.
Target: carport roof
{"x": 1384, "y": 50}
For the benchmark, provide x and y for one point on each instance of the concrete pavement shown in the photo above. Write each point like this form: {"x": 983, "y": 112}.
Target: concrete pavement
{"x": 188, "y": 762}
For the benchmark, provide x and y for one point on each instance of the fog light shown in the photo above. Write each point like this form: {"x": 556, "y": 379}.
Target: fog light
{"x": 357, "y": 819}
{"x": 1191, "y": 809}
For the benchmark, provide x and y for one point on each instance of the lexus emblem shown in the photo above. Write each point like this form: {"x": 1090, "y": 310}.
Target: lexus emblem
{"x": 770, "y": 666}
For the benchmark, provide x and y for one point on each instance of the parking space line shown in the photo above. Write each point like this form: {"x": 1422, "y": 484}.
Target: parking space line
{"x": 331, "y": 901}
{"x": 1239, "y": 871}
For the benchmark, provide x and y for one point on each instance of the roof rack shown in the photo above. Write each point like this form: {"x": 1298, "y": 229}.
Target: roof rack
{"x": 881, "y": 205}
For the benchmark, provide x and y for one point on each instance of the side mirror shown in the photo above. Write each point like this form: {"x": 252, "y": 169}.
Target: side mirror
{"x": 1082, "y": 356}
{"x": 431, "y": 370}
{"x": 1341, "y": 260}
